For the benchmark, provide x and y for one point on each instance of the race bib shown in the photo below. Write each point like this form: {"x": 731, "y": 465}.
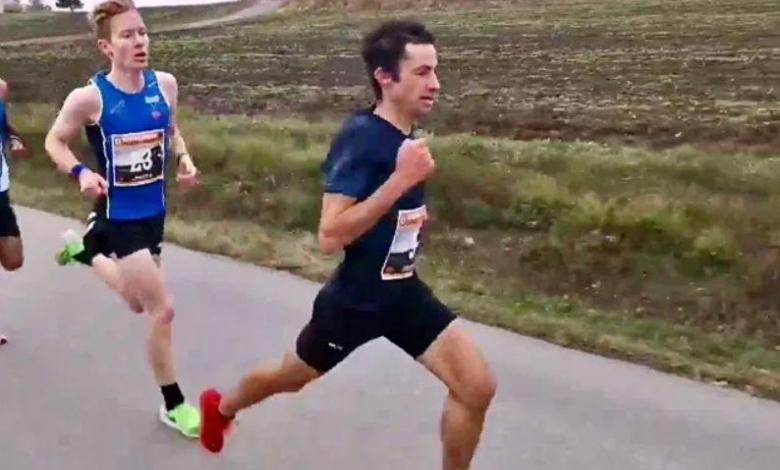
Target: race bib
{"x": 138, "y": 158}
{"x": 399, "y": 263}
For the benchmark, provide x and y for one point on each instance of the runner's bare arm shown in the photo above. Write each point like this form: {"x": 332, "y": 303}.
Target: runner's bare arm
{"x": 81, "y": 108}
{"x": 343, "y": 219}
{"x": 170, "y": 89}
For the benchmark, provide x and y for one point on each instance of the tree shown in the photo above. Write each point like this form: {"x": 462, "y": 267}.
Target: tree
{"x": 37, "y": 5}
{"x": 71, "y": 4}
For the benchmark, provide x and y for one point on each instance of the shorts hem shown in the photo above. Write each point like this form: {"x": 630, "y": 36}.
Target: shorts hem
{"x": 445, "y": 327}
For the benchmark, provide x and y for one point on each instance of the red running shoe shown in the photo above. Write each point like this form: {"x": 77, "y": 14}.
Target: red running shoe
{"x": 213, "y": 426}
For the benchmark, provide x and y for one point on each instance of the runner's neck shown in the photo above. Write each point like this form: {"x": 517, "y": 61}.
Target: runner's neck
{"x": 129, "y": 81}
{"x": 395, "y": 116}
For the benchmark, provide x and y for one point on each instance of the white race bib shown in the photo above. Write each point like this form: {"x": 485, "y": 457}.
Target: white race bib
{"x": 399, "y": 263}
{"x": 138, "y": 158}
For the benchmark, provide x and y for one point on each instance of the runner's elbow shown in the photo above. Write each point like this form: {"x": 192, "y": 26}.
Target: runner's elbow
{"x": 51, "y": 144}
{"x": 55, "y": 147}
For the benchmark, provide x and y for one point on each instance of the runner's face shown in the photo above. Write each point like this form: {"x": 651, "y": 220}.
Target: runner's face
{"x": 418, "y": 85}
{"x": 129, "y": 45}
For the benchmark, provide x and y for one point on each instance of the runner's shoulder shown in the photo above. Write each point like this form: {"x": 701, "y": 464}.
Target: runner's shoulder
{"x": 165, "y": 79}
{"x": 359, "y": 121}
{"x": 85, "y": 98}
{"x": 167, "y": 83}
{"x": 359, "y": 128}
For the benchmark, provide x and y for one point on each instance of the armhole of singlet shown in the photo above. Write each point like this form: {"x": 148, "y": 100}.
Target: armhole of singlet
{"x": 93, "y": 83}
{"x": 104, "y": 143}
{"x": 162, "y": 89}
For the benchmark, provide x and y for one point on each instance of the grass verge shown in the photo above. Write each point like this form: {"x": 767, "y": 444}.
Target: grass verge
{"x": 625, "y": 252}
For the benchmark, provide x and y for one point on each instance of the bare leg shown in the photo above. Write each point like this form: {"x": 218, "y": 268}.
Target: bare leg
{"x": 11, "y": 253}
{"x": 266, "y": 380}
{"x": 108, "y": 271}
{"x": 455, "y": 359}
{"x": 143, "y": 280}
{"x": 11, "y": 258}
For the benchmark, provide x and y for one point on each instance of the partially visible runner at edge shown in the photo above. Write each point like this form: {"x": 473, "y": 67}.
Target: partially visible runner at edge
{"x": 11, "y": 250}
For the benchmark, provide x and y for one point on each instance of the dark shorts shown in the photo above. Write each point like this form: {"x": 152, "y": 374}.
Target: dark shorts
{"x": 8, "y": 225}
{"x": 412, "y": 321}
{"x": 121, "y": 237}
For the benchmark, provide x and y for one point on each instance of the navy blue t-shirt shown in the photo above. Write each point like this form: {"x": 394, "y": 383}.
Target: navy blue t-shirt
{"x": 361, "y": 158}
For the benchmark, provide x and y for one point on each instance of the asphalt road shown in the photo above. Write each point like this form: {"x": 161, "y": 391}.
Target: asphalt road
{"x": 255, "y": 10}
{"x": 75, "y": 393}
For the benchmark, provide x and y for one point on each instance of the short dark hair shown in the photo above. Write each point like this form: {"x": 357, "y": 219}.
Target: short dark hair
{"x": 384, "y": 47}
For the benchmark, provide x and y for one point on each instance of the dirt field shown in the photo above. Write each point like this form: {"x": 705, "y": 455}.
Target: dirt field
{"x": 662, "y": 73}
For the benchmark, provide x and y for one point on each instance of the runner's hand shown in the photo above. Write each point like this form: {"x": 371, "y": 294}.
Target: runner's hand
{"x": 18, "y": 150}
{"x": 187, "y": 173}
{"x": 92, "y": 184}
{"x": 414, "y": 163}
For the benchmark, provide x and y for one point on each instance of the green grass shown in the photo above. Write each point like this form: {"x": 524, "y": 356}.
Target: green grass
{"x": 17, "y": 26}
{"x": 651, "y": 256}
{"x": 656, "y": 73}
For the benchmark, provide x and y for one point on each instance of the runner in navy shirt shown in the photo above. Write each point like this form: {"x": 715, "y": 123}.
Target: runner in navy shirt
{"x": 374, "y": 210}
{"x": 362, "y": 158}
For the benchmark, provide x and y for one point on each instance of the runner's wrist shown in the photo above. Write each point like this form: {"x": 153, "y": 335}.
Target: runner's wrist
{"x": 77, "y": 170}
{"x": 399, "y": 183}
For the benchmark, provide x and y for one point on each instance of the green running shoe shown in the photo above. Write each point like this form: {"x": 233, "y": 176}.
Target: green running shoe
{"x": 185, "y": 418}
{"x": 73, "y": 246}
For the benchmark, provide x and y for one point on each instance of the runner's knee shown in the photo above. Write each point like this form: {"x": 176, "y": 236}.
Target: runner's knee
{"x": 11, "y": 256}
{"x": 164, "y": 313}
{"x": 477, "y": 390}
{"x": 12, "y": 263}
{"x": 150, "y": 292}
{"x": 168, "y": 314}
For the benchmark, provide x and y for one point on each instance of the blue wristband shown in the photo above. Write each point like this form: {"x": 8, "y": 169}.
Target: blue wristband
{"x": 75, "y": 172}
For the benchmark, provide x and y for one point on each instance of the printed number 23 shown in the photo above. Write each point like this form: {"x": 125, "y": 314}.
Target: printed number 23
{"x": 145, "y": 164}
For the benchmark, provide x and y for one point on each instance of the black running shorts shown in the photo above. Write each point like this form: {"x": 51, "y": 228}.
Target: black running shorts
{"x": 412, "y": 320}
{"x": 122, "y": 237}
{"x": 8, "y": 225}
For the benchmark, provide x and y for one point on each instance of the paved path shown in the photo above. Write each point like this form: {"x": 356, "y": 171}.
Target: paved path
{"x": 75, "y": 393}
{"x": 257, "y": 9}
